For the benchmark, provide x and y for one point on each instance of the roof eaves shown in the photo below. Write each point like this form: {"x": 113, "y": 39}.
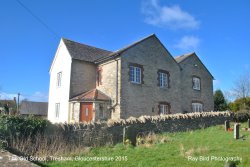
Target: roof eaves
{"x": 105, "y": 59}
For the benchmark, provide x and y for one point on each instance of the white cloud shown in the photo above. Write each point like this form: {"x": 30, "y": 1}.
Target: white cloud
{"x": 7, "y": 96}
{"x": 172, "y": 17}
{"x": 188, "y": 43}
{"x": 37, "y": 96}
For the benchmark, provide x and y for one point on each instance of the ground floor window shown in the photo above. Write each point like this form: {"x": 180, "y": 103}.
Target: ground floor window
{"x": 101, "y": 111}
{"x": 57, "y": 110}
{"x": 164, "y": 108}
{"x": 197, "y": 107}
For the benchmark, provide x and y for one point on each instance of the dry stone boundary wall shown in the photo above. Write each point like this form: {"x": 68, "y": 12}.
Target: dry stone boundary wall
{"x": 111, "y": 131}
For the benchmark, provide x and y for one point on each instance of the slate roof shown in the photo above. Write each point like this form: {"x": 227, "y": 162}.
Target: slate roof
{"x": 84, "y": 52}
{"x": 96, "y": 55}
{"x": 181, "y": 58}
{"x": 34, "y": 108}
{"x": 10, "y": 103}
{"x": 92, "y": 95}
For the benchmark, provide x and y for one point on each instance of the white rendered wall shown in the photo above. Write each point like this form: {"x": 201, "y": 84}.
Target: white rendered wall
{"x": 61, "y": 63}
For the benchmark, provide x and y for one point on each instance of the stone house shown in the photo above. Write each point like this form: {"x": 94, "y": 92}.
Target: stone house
{"x": 90, "y": 84}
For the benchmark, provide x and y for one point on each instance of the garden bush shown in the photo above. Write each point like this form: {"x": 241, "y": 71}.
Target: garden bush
{"x": 241, "y": 116}
{"x": 20, "y": 127}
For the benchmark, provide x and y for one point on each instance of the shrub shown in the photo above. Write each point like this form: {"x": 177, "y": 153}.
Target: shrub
{"x": 241, "y": 116}
{"x": 16, "y": 126}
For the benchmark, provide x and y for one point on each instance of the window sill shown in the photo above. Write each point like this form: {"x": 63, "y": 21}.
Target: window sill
{"x": 135, "y": 83}
{"x": 164, "y": 88}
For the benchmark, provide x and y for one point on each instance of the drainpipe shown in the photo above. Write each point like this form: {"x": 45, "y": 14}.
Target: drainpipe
{"x": 117, "y": 81}
{"x": 116, "y": 87}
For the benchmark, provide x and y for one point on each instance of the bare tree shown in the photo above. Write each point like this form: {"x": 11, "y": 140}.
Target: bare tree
{"x": 229, "y": 96}
{"x": 242, "y": 86}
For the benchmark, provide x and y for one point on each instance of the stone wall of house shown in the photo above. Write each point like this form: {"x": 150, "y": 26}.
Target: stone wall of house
{"x": 193, "y": 67}
{"x": 143, "y": 99}
{"x": 83, "y": 77}
{"x": 74, "y": 109}
{"x": 111, "y": 132}
{"x": 111, "y": 85}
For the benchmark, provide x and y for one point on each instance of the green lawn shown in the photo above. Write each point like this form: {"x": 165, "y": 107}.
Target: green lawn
{"x": 204, "y": 143}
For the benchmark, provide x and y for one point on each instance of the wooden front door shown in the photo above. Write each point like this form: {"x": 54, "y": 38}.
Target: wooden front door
{"x": 86, "y": 112}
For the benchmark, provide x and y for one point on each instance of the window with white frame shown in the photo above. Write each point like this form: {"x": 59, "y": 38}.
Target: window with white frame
{"x": 135, "y": 74}
{"x": 57, "y": 110}
{"x": 163, "y": 79}
{"x": 196, "y": 83}
{"x": 164, "y": 109}
{"x": 59, "y": 79}
{"x": 197, "y": 107}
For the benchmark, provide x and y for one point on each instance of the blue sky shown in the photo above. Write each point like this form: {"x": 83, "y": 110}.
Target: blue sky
{"x": 217, "y": 30}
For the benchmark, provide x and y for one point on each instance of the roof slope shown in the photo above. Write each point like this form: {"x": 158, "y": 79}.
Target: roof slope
{"x": 9, "y": 103}
{"x": 34, "y": 108}
{"x": 84, "y": 52}
{"x": 181, "y": 58}
{"x": 113, "y": 54}
{"x": 91, "y": 95}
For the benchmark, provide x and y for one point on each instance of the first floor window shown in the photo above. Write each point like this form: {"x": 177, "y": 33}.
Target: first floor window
{"x": 57, "y": 110}
{"x": 164, "y": 109}
{"x": 197, "y": 107}
{"x": 59, "y": 79}
{"x": 135, "y": 74}
{"x": 196, "y": 83}
{"x": 163, "y": 79}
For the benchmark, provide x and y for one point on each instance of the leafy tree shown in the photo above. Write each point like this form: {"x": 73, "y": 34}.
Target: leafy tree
{"x": 220, "y": 103}
{"x": 240, "y": 104}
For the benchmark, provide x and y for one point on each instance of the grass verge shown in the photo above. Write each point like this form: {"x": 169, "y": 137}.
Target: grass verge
{"x": 184, "y": 149}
